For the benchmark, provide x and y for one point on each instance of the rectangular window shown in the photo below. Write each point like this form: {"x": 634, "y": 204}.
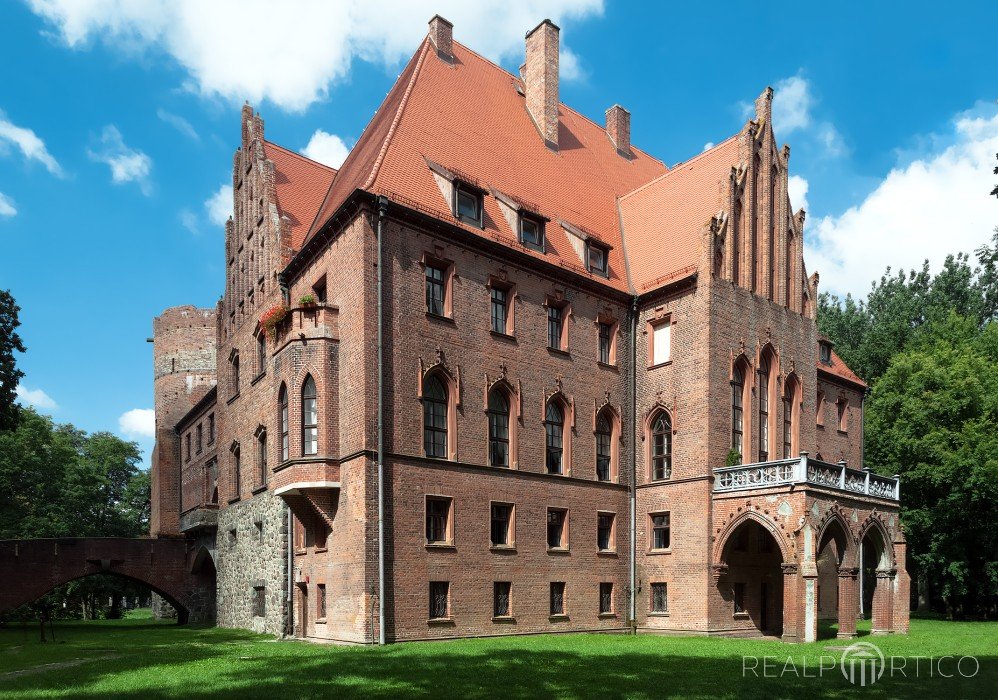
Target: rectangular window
{"x": 597, "y": 259}
{"x": 437, "y": 520}
{"x": 605, "y": 598}
{"x": 319, "y": 290}
{"x": 299, "y": 534}
{"x": 435, "y": 289}
{"x": 501, "y": 603}
{"x": 557, "y": 598}
{"x": 738, "y": 595}
{"x": 659, "y": 598}
{"x": 661, "y": 343}
{"x": 788, "y": 427}
{"x": 825, "y": 353}
{"x": 531, "y": 233}
{"x": 604, "y": 532}
{"x": 259, "y": 601}
{"x": 843, "y": 415}
{"x": 262, "y": 458}
{"x": 320, "y": 601}
{"x": 236, "y": 471}
{"x": 661, "y": 531}
{"x": 502, "y": 525}
{"x": 557, "y": 528}
{"x": 235, "y": 373}
{"x": 439, "y": 600}
{"x": 556, "y": 320}
{"x": 605, "y": 342}
{"x": 211, "y": 428}
{"x": 499, "y": 310}
{"x": 199, "y": 439}
{"x": 819, "y": 411}
{"x": 261, "y": 353}
{"x": 467, "y": 204}
{"x": 187, "y": 447}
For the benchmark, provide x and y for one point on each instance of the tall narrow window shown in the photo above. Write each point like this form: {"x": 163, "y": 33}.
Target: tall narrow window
{"x": 499, "y": 310}
{"x": 498, "y": 428}
{"x": 764, "y": 410}
{"x": 502, "y": 525}
{"x": 737, "y": 411}
{"x": 501, "y": 599}
{"x": 235, "y": 373}
{"x": 282, "y": 399}
{"x": 309, "y": 418}
{"x": 661, "y": 343}
{"x": 199, "y": 440}
{"x": 554, "y": 428}
{"x": 320, "y": 601}
{"x": 557, "y": 528}
{"x": 843, "y": 414}
{"x": 604, "y": 432}
{"x": 438, "y": 520}
{"x": 819, "y": 411}
{"x": 661, "y": 531}
{"x": 435, "y": 289}
{"x": 262, "y": 456}
{"x": 659, "y": 598}
{"x": 605, "y": 343}
{"x": 661, "y": 447}
{"x": 605, "y": 598}
{"x": 604, "y": 532}
{"x": 557, "y": 598}
{"x": 556, "y": 320}
{"x": 439, "y": 600}
{"x": 236, "y": 471}
{"x": 211, "y": 428}
{"x": 261, "y": 353}
{"x": 434, "y": 417}
{"x": 789, "y": 421}
{"x": 187, "y": 447}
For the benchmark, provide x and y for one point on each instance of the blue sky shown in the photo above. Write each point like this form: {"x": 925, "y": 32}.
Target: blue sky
{"x": 118, "y": 120}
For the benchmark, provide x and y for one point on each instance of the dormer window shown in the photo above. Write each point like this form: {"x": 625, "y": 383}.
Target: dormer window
{"x": 596, "y": 258}
{"x": 531, "y": 232}
{"x": 825, "y": 352}
{"x": 467, "y": 204}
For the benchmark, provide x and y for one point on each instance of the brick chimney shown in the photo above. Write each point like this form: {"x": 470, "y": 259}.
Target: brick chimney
{"x": 764, "y": 106}
{"x": 618, "y": 128}
{"x": 442, "y": 36}
{"x": 541, "y": 79}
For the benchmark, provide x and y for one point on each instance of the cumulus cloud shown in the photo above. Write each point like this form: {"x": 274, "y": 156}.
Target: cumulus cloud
{"x": 189, "y": 220}
{"x": 127, "y": 164}
{"x": 709, "y": 145}
{"x": 310, "y": 43}
{"x": 138, "y": 423}
{"x": 7, "y": 207}
{"x": 219, "y": 205}
{"x": 327, "y": 149}
{"x": 793, "y": 112}
{"x": 28, "y": 143}
{"x": 797, "y": 189}
{"x": 36, "y": 398}
{"x": 178, "y": 123}
{"x": 932, "y": 206}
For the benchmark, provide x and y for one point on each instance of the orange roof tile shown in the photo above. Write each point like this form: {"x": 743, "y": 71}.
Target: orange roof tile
{"x": 839, "y": 369}
{"x": 301, "y": 184}
{"x": 468, "y": 117}
{"x": 662, "y": 220}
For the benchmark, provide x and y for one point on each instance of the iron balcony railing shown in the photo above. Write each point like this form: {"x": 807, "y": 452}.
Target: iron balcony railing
{"x": 806, "y": 470}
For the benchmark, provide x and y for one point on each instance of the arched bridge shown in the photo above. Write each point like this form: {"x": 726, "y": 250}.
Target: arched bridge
{"x": 185, "y": 578}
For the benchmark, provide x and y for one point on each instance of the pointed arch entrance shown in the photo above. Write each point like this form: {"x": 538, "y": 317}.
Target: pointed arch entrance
{"x": 751, "y": 577}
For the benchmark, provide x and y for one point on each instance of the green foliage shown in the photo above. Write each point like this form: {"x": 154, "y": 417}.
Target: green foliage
{"x": 307, "y": 300}
{"x": 734, "y": 458}
{"x": 10, "y": 375}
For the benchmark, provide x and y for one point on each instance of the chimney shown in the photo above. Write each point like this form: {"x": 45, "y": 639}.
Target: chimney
{"x": 442, "y": 36}
{"x": 541, "y": 79}
{"x": 618, "y": 128}
{"x": 764, "y": 106}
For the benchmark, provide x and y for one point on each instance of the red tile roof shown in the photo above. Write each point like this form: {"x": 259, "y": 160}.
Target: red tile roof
{"x": 839, "y": 369}
{"x": 301, "y": 184}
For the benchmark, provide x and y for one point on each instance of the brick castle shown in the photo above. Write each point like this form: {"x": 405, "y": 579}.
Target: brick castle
{"x": 503, "y": 372}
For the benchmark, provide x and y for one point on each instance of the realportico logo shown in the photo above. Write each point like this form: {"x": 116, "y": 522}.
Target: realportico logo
{"x": 862, "y": 664}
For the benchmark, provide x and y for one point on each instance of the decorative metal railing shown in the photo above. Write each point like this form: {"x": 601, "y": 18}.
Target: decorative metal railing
{"x": 806, "y": 470}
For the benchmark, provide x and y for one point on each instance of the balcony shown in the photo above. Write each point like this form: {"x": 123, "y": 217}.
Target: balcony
{"x": 806, "y": 471}
{"x": 204, "y": 517}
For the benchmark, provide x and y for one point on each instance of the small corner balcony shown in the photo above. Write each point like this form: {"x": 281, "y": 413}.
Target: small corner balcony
{"x": 808, "y": 472}
{"x": 204, "y": 517}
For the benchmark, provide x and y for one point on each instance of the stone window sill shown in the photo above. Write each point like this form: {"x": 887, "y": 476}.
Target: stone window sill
{"x": 608, "y": 365}
{"x": 660, "y": 364}
{"x": 440, "y": 545}
{"x": 257, "y": 378}
{"x": 658, "y": 614}
{"x": 233, "y": 398}
{"x": 437, "y": 317}
{"x": 607, "y": 615}
{"x": 320, "y": 621}
{"x": 440, "y": 621}
{"x": 503, "y": 619}
{"x": 607, "y": 552}
{"x": 559, "y": 351}
{"x": 563, "y": 617}
{"x": 301, "y": 552}
{"x": 234, "y": 499}
{"x": 259, "y": 489}
{"x": 840, "y": 431}
{"x": 740, "y": 616}
{"x": 503, "y": 548}
{"x": 558, "y": 550}
{"x": 508, "y": 337}
{"x": 652, "y": 552}
{"x": 320, "y": 550}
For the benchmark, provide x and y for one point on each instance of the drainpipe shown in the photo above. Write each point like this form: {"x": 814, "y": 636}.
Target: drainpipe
{"x": 634, "y": 460}
{"x": 291, "y": 566}
{"x": 382, "y": 209}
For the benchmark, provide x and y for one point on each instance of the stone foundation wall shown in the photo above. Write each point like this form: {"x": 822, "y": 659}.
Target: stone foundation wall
{"x": 251, "y": 553}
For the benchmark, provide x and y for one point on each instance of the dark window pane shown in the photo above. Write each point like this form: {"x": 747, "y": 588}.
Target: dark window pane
{"x": 659, "y": 598}
{"x": 605, "y": 339}
{"x": 500, "y": 523}
{"x": 606, "y": 598}
{"x": 597, "y": 259}
{"x": 554, "y": 426}
{"x": 605, "y": 531}
{"x": 498, "y": 415}
{"x": 437, "y": 514}
{"x": 439, "y": 594}
{"x": 531, "y": 233}
{"x": 555, "y": 334}
{"x": 310, "y": 418}
{"x": 557, "y": 598}
{"x": 501, "y": 602}
{"x": 661, "y": 536}
{"x": 434, "y": 418}
{"x": 603, "y": 442}
{"x": 661, "y": 447}
{"x": 499, "y": 310}
{"x": 434, "y": 290}
{"x": 469, "y": 206}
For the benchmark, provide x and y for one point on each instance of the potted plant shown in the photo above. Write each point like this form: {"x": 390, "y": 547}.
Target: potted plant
{"x": 271, "y": 318}
{"x": 307, "y": 300}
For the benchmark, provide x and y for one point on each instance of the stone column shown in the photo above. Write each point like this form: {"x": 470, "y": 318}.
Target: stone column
{"x": 791, "y": 602}
{"x": 848, "y": 602}
{"x": 883, "y": 602}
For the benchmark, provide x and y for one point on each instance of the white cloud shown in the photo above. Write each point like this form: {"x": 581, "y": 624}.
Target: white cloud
{"x": 219, "y": 205}
{"x": 28, "y": 143}
{"x": 925, "y": 209}
{"x": 709, "y": 145}
{"x": 797, "y": 189}
{"x": 326, "y": 148}
{"x": 138, "y": 423}
{"x": 7, "y": 207}
{"x": 127, "y": 164}
{"x": 309, "y": 43}
{"x": 189, "y": 220}
{"x": 792, "y": 104}
{"x": 35, "y": 398}
{"x": 178, "y": 123}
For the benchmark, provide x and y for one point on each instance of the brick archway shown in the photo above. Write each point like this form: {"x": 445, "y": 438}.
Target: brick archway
{"x": 32, "y": 568}
{"x": 750, "y": 576}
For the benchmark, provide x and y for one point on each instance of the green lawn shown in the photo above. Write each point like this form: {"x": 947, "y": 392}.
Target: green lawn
{"x": 138, "y": 657}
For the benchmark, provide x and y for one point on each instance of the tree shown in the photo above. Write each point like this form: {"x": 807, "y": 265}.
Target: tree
{"x": 10, "y": 342}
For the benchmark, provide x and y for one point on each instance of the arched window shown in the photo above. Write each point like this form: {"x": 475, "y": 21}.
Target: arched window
{"x": 604, "y": 435}
{"x": 434, "y": 417}
{"x": 661, "y": 447}
{"x": 282, "y": 399}
{"x": 764, "y": 375}
{"x": 498, "y": 428}
{"x": 790, "y": 418}
{"x": 736, "y": 247}
{"x": 309, "y": 418}
{"x": 554, "y": 428}
{"x": 738, "y": 411}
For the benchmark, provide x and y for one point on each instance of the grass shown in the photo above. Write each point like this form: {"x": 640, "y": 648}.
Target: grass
{"x": 139, "y": 657}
